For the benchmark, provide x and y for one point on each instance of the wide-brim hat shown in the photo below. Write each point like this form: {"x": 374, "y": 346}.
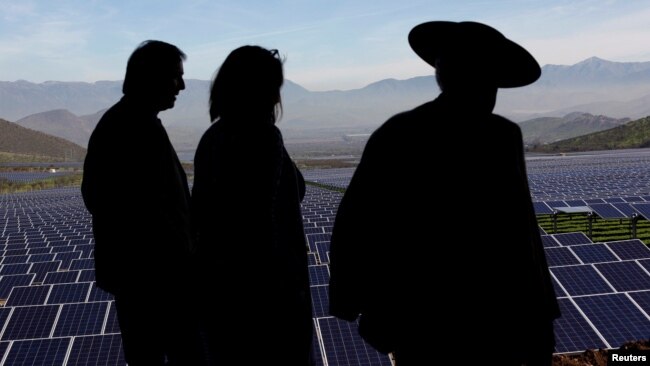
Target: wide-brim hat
{"x": 477, "y": 45}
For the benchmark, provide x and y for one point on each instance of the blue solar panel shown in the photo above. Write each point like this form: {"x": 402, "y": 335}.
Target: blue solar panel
{"x": 9, "y": 282}
{"x": 319, "y": 275}
{"x": 594, "y": 253}
{"x": 573, "y": 332}
{"x": 30, "y": 322}
{"x": 87, "y": 275}
{"x": 81, "y": 319}
{"x": 97, "y": 294}
{"x": 542, "y": 208}
{"x": 572, "y": 238}
{"x": 633, "y": 199}
{"x": 607, "y": 211}
{"x": 4, "y": 314}
{"x": 311, "y": 259}
{"x": 625, "y": 276}
{"x": 643, "y": 209}
{"x": 34, "y": 258}
{"x": 560, "y": 256}
{"x": 645, "y": 263}
{"x": 66, "y": 258}
{"x": 625, "y": 208}
{"x": 42, "y": 352}
{"x": 581, "y": 280}
{"x": 343, "y": 345}
{"x": 313, "y": 238}
{"x": 555, "y": 204}
{"x": 320, "y": 301}
{"x": 630, "y": 249}
{"x": 629, "y": 324}
{"x": 642, "y": 298}
{"x": 614, "y": 200}
{"x": 15, "y": 259}
{"x": 549, "y": 242}
{"x": 112, "y": 325}
{"x": 66, "y": 293}
{"x": 41, "y": 269}
{"x": 323, "y": 247}
{"x": 82, "y": 264}
{"x": 101, "y": 350}
{"x": 14, "y": 269}
{"x": 61, "y": 277}
{"x": 30, "y": 295}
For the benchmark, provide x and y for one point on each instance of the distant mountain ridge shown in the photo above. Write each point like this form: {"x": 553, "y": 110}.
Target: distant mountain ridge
{"x": 595, "y": 86}
{"x": 15, "y": 139}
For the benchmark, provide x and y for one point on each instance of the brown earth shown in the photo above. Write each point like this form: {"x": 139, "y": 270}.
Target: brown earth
{"x": 596, "y": 357}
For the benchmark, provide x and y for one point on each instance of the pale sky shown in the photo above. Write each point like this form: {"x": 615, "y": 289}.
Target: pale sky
{"x": 328, "y": 44}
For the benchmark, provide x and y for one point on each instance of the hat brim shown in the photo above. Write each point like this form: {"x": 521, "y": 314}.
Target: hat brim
{"x": 510, "y": 64}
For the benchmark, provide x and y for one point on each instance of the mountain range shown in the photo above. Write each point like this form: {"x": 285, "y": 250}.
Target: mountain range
{"x": 594, "y": 86}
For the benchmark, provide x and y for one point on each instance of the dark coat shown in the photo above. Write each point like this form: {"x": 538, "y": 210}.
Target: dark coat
{"x": 136, "y": 190}
{"x": 251, "y": 244}
{"x": 421, "y": 228}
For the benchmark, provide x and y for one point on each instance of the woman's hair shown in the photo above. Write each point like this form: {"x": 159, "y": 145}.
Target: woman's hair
{"x": 248, "y": 83}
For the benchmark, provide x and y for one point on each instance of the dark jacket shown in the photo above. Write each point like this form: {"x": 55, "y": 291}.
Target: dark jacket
{"x": 251, "y": 244}
{"x": 421, "y": 228}
{"x": 136, "y": 190}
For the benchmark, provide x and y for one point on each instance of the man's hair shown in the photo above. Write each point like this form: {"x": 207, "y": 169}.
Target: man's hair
{"x": 150, "y": 61}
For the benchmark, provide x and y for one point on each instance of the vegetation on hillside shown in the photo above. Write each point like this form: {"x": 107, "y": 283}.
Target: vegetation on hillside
{"x": 21, "y": 144}
{"x": 8, "y": 186}
{"x": 635, "y": 134}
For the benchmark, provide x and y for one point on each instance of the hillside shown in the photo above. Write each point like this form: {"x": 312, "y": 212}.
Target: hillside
{"x": 550, "y": 129}
{"x": 635, "y": 134}
{"x": 15, "y": 139}
{"x": 62, "y": 123}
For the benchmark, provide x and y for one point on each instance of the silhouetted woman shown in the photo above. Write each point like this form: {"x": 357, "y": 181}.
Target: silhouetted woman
{"x": 246, "y": 202}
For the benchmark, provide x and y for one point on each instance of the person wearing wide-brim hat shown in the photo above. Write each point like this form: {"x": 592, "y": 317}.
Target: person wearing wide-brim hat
{"x": 485, "y": 295}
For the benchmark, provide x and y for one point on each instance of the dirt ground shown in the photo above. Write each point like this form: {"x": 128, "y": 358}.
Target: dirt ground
{"x": 596, "y": 357}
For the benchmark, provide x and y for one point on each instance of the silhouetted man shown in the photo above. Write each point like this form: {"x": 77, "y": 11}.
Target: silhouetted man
{"x": 484, "y": 296}
{"x": 136, "y": 190}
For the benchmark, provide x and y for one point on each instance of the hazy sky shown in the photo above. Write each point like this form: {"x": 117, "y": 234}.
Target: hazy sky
{"x": 328, "y": 44}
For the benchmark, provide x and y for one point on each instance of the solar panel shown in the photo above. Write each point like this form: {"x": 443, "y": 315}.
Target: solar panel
{"x": 82, "y": 264}
{"x": 319, "y": 275}
{"x": 343, "y": 345}
{"x": 629, "y": 324}
{"x": 548, "y": 241}
{"x": 61, "y": 277}
{"x": 112, "y": 325}
{"x": 541, "y": 208}
{"x": 607, "y": 211}
{"x": 560, "y": 256}
{"x": 87, "y": 275}
{"x": 311, "y": 259}
{"x": 101, "y": 350}
{"x": 65, "y": 293}
{"x": 593, "y": 253}
{"x": 572, "y": 331}
{"x": 320, "y": 301}
{"x": 9, "y": 282}
{"x": 15, "y": 259}
{"x": 81, "y": 319}
{"x": 14, "y": 269}
{"x": 643, "y": 209}
{"x": 40, "y": 269}
{"x": 625, "y": 208}
{"x": 30, "y": 322}
{"x": 97, "y": 294}
{"x": 629, "y": 249}
{"x": 572, "y": 238}
{"x": 642, "y": 298}
{"x": 29, "y": 295}
{"x": 45, "y": 352}
{"x": 581, "y": 280}
{"x": 625, "y": 276}
{"x": 614, "y": 200}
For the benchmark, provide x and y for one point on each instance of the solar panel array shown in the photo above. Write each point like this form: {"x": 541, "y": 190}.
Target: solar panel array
{"x": 603, "y": 290}
{"x": 52, "y": 313}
